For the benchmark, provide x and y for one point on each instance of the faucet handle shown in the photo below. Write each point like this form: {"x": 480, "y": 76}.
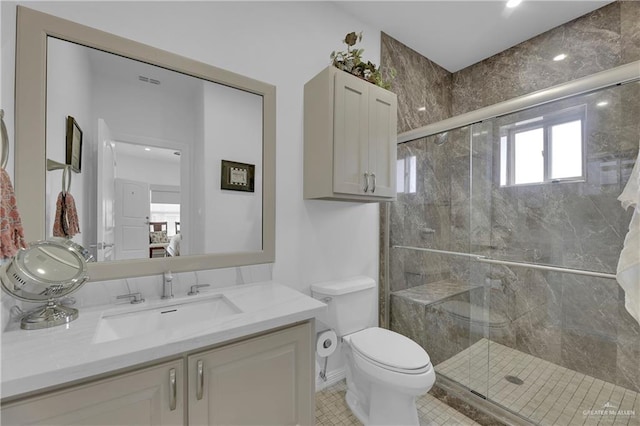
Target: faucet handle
{"x": 135, "y": 297}
{"x": 194, "y": 289}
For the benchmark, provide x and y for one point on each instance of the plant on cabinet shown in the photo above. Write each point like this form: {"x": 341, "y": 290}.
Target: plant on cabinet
{"x": 351, "y": 62}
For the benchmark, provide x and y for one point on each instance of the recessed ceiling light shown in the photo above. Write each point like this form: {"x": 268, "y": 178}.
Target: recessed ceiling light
{"x": 513, "y": 3}
{"x": 147, "y": 149}
{"x": 560, "y": 57}
{"x": 602, "y": 103}
{"x": 422, "y": 109}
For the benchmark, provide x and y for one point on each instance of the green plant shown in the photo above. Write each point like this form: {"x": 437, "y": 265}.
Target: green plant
{"x": 351, "y": 62}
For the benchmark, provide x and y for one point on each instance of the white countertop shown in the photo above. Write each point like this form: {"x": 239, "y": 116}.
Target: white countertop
{"x": 39, "y": 359}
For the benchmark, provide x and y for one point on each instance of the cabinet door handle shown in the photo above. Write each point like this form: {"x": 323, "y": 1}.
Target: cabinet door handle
{"x": 366, "y": 182}
{"x": 373, "y": 175}
{"x": 173, "y": 389}
{"x": 199, "y": 380}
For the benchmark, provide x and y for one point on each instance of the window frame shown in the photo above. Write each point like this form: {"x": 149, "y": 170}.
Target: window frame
{"x": 546, "y": 123}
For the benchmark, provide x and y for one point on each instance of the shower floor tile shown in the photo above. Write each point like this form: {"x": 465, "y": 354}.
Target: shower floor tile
{"x": 548, "y": 393}
{"x": 332, "y": 409}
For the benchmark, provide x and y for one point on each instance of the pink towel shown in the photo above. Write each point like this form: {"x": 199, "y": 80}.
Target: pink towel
{"x": 66, "y": 221}
{"x": 11, "y": 231}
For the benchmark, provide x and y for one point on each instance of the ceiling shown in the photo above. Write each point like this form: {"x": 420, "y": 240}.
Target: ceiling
{"x": 455, "y": 34}
{"x": 153, "y": 153}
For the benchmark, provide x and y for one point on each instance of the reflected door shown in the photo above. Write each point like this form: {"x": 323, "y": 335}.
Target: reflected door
{"x": 106, "y": 193}
{"x": 132, "y": 203}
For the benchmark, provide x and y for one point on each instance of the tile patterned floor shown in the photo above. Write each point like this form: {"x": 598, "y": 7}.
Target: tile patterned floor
{"x": 332, "y": 409}
{"x": 549, "y": 395}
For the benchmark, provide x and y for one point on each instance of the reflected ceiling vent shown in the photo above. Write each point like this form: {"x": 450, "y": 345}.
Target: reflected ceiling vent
{"x": 148, "y": 80}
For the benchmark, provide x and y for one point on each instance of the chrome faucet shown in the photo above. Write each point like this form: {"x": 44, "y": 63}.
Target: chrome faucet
{"x": 167, "y": 285}
{"x": 134, "y": 297}
{"x": 194, "y": 289}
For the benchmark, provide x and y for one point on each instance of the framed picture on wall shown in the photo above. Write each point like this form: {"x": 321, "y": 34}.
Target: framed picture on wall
{"x": 74, "y": 145}
{"x": 237, "y": 176}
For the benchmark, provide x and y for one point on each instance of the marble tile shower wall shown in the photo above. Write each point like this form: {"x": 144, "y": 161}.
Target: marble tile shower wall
{"x": 459, "y": 207}
{"x": 600, "y": 40}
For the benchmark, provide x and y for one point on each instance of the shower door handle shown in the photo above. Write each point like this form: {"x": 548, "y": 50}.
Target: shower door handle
{"x": 366, "y": 181}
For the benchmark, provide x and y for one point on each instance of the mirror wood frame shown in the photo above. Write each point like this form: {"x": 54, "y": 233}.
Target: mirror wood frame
{"x": 33, "y": 29}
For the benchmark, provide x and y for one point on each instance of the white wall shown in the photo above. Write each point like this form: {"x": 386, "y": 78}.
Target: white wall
{"x": 68, "y": 65}
{"x": 281, "y": 43}
{"x": 132, "y": 107}
{"x": 233, "y": 132}
{"x": 152, "y": 171}
{"x": 7, "y": 73}
{"x": 196, "y": 217}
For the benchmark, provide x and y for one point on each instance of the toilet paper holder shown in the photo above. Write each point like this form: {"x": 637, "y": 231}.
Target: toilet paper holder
{"x": 326, "y": 343}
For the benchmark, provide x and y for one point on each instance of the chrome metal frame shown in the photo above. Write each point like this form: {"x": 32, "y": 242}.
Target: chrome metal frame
{"x": 623, "y": 74}
{"x": 484, "y": 259}
{"x": 482, "y": 404}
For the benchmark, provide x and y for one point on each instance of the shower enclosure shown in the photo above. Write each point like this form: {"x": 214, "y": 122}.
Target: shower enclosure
{"x": 501, "y": 254}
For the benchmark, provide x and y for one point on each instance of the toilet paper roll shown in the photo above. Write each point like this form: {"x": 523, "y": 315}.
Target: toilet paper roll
{"x": 326, "y": 343}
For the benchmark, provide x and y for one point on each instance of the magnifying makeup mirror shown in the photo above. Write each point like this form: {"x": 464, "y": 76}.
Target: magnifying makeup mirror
{"x": 45, "y": 272}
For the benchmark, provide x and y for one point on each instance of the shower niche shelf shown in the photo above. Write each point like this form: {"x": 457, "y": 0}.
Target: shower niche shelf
{"x": 350, "y": 137}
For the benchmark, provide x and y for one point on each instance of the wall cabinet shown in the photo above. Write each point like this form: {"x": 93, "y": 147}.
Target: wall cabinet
{"x": 266, "y": 379}
{"x": 350, "y": 137}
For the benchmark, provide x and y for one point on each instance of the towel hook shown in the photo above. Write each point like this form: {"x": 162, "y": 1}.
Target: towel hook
{"x": 66, "y": 173}
{"x": 4, "y": 155}
{"x": 66, "y": 179}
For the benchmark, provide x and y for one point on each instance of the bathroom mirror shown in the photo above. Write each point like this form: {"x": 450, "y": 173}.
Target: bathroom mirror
{"x": 149, "y": 135}
{"x": 66, "y": 70}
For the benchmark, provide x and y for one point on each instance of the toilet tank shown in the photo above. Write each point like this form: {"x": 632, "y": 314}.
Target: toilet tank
{"x": 351, "y": 302}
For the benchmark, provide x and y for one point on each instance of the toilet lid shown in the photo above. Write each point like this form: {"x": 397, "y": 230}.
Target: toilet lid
{"x": 389, "y": 348}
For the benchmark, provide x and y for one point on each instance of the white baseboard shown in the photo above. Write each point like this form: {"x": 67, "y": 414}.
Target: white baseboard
{"x": 333, "y": 377}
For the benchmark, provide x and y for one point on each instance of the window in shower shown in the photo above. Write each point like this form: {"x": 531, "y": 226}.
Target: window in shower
{"x": 543, "y": 149}
{"x": 406, "y": 175}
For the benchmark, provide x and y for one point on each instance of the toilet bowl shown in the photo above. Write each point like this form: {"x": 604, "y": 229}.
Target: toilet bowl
{"x": 385, "y": 373}
{"x": 385, "y": 370}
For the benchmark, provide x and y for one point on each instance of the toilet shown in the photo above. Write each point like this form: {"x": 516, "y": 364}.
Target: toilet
{"x": 386, "y": 371}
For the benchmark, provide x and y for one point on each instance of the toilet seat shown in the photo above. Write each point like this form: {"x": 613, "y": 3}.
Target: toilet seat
{"x": 390, "y": 351}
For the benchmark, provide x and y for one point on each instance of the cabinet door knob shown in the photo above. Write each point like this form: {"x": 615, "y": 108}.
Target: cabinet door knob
{"x": 173, "y": 389}
{"x": 373, "y": 189}
{"x": 199, "y": 380}
{"x": 366, "y": 182}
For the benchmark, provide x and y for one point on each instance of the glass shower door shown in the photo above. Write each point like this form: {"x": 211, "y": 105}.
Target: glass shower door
{"x": 545, "y": 216}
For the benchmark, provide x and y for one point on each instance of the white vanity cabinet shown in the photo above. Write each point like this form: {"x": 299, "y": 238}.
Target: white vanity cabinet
{"x": 261, "y": 381}
{"x": 267, "y": 379}
{"x": 149, "y": 396}
{"x": 350, "y": 137}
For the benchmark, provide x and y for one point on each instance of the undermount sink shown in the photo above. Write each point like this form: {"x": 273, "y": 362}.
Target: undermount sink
{"x": 164, "y": 318}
